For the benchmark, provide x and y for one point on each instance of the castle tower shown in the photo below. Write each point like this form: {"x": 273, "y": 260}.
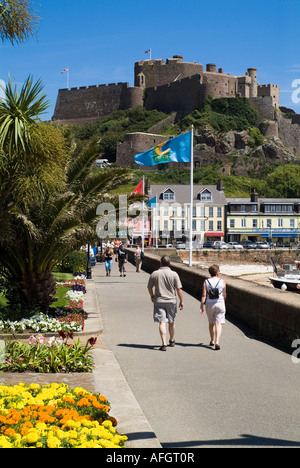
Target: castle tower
{"x": 252, "y": 72}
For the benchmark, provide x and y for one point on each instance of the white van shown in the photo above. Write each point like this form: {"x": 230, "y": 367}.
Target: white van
{"x": 102, "y": 163}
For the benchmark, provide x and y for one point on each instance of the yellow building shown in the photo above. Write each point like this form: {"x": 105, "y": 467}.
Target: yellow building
{"x": 263, "y": 219}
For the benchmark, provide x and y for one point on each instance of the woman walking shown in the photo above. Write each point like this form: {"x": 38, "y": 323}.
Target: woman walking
{"x": 213, "y": 296}
{"x": 108, "y": 260}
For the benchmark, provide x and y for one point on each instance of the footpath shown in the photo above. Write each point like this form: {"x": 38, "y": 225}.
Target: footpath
{"x": 107, "y": 379}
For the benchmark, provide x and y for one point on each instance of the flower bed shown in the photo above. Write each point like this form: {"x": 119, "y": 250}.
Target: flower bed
{"x": 41, "y": 323}
{"x": 55, "y": 416}
{"x": 69, "y": 318}
{"x": 48, "y": 355}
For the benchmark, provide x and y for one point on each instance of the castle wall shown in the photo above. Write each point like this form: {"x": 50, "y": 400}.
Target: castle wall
{"x": 289, "y": 133}
{"x": 180, "y": 96}
{"x": 218, "y": 85}
{"x": 264, "y": 107}
{"x": 95, "y": 102}
{"x": 158, "y": 73}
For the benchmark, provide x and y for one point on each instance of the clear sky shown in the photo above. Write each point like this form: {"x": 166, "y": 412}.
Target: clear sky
{"x": 100, "y": 40}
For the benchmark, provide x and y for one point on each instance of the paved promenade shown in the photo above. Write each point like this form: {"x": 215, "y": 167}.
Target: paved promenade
{"x": 245, "y": 395}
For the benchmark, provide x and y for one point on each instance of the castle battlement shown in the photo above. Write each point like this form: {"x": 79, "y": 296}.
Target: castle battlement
{"x": 170, "y": 86}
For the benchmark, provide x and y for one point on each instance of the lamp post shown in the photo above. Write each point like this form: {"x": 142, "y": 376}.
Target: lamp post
{"x": 88, "y": 266}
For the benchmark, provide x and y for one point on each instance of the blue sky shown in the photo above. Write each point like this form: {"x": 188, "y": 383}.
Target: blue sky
{"x": 100, "y": 40}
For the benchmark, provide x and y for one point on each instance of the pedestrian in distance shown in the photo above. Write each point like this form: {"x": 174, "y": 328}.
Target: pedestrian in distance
{"x": 138, "y": 259}
{"x": 122, "y": 259}
{"x": 167, "y": 286}
{"x": 108, "y": 256}
{"x": 213, "y": 297}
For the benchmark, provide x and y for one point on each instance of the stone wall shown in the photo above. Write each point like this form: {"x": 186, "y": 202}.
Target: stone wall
{"x": 271, "y": 313}
{"x": 95, "y": 102}
{"x": 158, "y": 73}
{"x": 289, "y": 133}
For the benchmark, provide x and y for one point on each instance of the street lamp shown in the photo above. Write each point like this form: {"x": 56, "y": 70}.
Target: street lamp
{"x": 88, "y": 266}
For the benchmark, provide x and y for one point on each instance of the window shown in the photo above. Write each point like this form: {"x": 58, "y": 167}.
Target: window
{"x": 219, "y": 225}
{"x": 219, "y": 211}
{"x": 166, "y": 210}
{"x": 205, "y": 195}
{"x": 243, "y": 207}
{"x": 254, "y": 223}
{"x": 243, "y": 222}
{"x": 269, "y": 223}
{"x": 232, "y": 223}
{"x": 210, "y": 225}
{"x": 280, "y": 223}
{"x": 166, "y": 225}
{"x": 210, "y": 211}
{"x": 194, "y": 225}
{"x": 169, "y": 195}
{"x": 292, "y": 223}
{"x": 194, "y": 212}
{"x": 202, "y": 225}
{"x": 254, "y": 207}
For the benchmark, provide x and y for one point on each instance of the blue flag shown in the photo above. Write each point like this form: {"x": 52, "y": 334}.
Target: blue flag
{"x": 177, "y": 149}
{"x": 151, "y": 202}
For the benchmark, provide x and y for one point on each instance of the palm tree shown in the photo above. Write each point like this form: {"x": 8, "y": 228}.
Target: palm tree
{"x": 44, "y": 231}
{"x": 18, "y": 111}
{"x": 18, "y": 21}
{"x": 30, "y": 154}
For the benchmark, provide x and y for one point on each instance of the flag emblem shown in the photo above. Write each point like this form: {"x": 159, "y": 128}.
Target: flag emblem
{"x": 177, "y": 149}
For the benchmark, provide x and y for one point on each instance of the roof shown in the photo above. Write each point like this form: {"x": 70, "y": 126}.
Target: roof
{"x": 246, "y": 201}
{"x": 182, "y": 193}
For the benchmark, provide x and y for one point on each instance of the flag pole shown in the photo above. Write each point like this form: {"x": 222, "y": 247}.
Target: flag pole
{"x": 191, "y": 198}
{"x": 143, "y": 218}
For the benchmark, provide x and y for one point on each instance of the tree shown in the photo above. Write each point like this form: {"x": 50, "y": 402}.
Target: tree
{"x": 44, "y": 231}
{"x": 32, "y": 157}
{"x": 284, "y": 182}
{"x": 18, "y": 111}
{"x": 18, "y": 21}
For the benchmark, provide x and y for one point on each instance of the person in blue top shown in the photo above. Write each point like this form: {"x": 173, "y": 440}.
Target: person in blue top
{"x": 213, "y": 297}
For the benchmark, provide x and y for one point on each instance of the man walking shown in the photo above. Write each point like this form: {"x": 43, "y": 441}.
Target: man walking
{"x": 166, "y": 284}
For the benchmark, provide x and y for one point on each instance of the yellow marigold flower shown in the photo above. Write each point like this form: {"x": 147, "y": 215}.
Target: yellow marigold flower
{"x": 31, "y": 438}
{"x": 34, "y": 386}
{"x": 53, "y": 442}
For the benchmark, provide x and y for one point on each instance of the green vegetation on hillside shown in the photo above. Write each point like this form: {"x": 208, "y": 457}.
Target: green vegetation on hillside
{"x": 111, "y": 130}
{"x": 283, "y": 182}
{"x": 222, "y": 114}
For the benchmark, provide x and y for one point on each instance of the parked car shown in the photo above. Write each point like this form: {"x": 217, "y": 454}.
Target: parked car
{"x": 248, "y": 244}
{"x": 208, "y": 245}
{"x": 220, "y": 245}
{"x": 179, "y": 245}
{"x": 235, "y": 246}
{"x": 262, "y": 245}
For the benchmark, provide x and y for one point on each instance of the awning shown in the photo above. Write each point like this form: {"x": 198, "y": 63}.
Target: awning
{"x": 214, "y": 234}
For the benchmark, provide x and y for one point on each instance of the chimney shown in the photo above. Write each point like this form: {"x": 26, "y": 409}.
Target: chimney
{"x": 147, "y": 186}
{"x": 253, "y": 196}
{"x": 220, "y": 185}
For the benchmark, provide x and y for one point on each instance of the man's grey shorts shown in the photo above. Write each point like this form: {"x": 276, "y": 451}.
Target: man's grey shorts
{"x": 164, "y": 312}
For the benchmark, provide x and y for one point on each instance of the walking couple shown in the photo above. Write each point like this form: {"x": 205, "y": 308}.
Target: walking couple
{"x": 164, "y": 286}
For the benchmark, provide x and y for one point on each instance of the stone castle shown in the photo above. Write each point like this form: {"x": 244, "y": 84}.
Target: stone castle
{"x": 171, "y": 86}
{"x": 178, "y": 88}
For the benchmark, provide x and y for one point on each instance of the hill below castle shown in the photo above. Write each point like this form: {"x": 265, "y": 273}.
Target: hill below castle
{"x": 228, "y": 141}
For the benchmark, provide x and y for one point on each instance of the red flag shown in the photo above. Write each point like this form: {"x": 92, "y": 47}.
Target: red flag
{"x": 138, "y": 188}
